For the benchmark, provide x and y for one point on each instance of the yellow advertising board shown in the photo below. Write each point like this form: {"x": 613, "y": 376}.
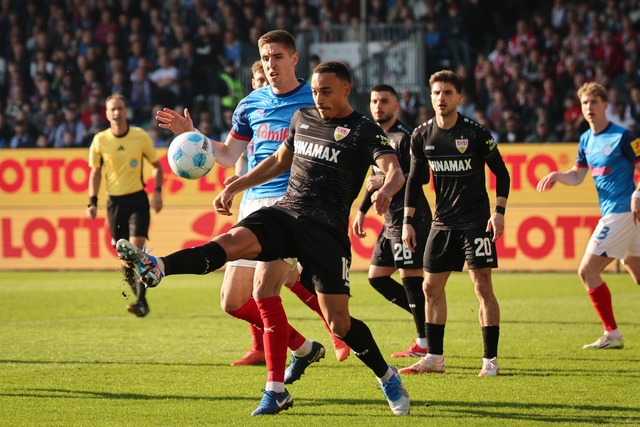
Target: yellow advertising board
{"x": 43, "y": 197}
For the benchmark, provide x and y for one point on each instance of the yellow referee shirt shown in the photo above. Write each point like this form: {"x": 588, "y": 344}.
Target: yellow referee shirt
{"x": 120, "y": 158}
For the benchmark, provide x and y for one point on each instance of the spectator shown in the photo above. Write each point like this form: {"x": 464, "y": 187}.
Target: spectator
{"x": 233, "y": 90}
{"x": 542, "y": 133}
{"x": 21, "y": 138}
{"x": 142, "y": 95}
{"x": 6, "y": 132}
{"x": 71, "y": 132}
{"x": 512, "y": 130}
{"x": 94, "y": 106}
{"x": 409, "y": 106}
{"x": 456, "y": 37}
{"x": 165, "y": 79}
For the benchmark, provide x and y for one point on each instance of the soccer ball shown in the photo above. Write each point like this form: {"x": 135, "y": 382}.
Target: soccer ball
{"x": 191, "y": 155}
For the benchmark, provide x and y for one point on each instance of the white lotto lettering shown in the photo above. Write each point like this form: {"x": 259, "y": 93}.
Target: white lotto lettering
{"x": 450, "y": 165}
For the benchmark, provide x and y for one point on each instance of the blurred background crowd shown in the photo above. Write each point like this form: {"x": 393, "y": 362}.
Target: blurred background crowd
{"x": 521, "y": 61}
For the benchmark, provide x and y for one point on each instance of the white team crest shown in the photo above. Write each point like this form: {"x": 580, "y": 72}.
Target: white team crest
{"x": 340, "y": 133}
{"x": 462, "y": 144}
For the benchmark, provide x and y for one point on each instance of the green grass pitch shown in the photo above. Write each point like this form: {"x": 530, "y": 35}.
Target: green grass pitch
{"x": 70, "y": 355}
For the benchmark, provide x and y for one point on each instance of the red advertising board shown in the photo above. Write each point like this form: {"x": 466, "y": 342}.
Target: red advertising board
{"x": 43, "y": 197}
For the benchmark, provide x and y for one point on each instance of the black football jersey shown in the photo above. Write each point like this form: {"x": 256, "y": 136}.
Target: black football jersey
{"x": 331, "y": 159}
{"x": 457, "y": 159}
{"x": 399, "y": 136}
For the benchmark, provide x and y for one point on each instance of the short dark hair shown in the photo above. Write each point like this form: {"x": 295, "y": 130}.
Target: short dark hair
{"x": 385, "y": 88}
{"x": 340, "y": 69}
{"x": 446, "y": 76}
{"x": 278, "y": 36}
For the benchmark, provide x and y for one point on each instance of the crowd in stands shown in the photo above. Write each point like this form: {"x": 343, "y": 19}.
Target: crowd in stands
{"x": 521, "y": 61}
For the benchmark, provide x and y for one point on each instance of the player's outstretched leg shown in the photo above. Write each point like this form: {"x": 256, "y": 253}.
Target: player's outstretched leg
{"x": 144, "y": 266}
{"x": 273, "y": 402}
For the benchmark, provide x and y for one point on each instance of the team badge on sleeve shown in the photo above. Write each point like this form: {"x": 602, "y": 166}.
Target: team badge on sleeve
{"x": 462, "y": 145}
{"x": 340, "y": 133}
{"x": 635, "y": 145}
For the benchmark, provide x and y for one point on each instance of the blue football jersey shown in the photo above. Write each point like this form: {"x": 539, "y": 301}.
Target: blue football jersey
{"x": 263, "y": 118}
{"x": 611, "y": 156}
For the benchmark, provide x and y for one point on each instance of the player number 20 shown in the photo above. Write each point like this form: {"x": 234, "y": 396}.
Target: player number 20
{"x": 483, "y": 246}
{"x": 400, "y": 252}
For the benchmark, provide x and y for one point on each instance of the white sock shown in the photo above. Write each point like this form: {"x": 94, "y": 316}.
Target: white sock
{"x": 437, "y": 358}
{"x": 160, "y": 264}
{"x": 422, "y": 342}
{"x": 386, "y": 377}
{"x": 304, "y": 349}
{"x": 614, "y": 334}
{"x": 274, "y": 386}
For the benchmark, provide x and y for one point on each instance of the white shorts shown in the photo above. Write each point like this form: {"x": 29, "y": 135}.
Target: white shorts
{"x": 248, "y": 207}
{"x": 615, "y": 236}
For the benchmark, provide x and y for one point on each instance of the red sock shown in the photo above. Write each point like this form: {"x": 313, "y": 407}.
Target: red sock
{"x": 310, "y": 300}
{"x": 601, "y": 299}
{"x": 276, "y": 336}
{"x": 249, "y": 312}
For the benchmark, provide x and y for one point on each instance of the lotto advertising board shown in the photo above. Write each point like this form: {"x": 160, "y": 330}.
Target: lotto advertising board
{"x": 43, "y": 197}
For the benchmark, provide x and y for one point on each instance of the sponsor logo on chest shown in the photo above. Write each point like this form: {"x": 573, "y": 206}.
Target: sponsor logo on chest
{"x": 450, "y": 165}
{"x": 316, "y": 151}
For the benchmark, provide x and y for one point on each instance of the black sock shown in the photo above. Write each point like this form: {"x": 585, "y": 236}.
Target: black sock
{"x": 361, "y": 341}
{"x": 435, "y": 338}
{"x": 197, "y": 260}
{"x": 490, "y": 336}
{"x": 391, "y": 290}
{"x": 415, "y": 297}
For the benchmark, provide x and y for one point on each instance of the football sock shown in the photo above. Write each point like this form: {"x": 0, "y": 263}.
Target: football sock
{"x": 276, "y": 336}
{"x": 361, "y": 341}
{"x": 391, "y": 290}
{"x": 435, "y": 338}
{"x": 250, "y": 313}
{"x": 257, "y": 338}
{"x": 601, "y": 299}
{"x": 198, "y": 260}
{"x": 311, "y": 300}
{"x": 490, "y": 336}
{"x": 304, "y": 349}
{"x": 141, "y": 291}
{"x": 415, "y": 297}
{"x": 278, "y": 387}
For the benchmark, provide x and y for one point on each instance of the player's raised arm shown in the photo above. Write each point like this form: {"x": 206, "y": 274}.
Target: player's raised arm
{"x": 272, "y": 166}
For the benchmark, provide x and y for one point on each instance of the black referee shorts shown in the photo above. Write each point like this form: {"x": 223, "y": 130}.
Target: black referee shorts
{"x": 128, "y": 215}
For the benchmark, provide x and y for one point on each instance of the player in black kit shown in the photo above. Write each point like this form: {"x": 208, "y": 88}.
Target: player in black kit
{"x": 329, "y": 150}
{"x": 456, "y": 150}
{"x": 389, "y": 253}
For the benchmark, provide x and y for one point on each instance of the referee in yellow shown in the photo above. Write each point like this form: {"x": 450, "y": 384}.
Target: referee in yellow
{"x": 119, "y": 151}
